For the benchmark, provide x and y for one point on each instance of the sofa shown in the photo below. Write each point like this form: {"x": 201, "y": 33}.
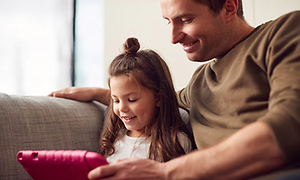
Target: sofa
{"x": 46, "y": 123}
{"x": 40, "y": 123}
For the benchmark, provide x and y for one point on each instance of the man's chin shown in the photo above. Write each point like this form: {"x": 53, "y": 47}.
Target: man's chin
{"x": 195, "y": 58}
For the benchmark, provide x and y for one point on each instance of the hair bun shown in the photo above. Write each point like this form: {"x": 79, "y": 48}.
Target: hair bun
{"x": 131, "y": 46}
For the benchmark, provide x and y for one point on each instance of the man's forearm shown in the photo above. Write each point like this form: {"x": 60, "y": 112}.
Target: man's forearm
{"x": 102, "y": 95}
{"x": 249, "y": 152}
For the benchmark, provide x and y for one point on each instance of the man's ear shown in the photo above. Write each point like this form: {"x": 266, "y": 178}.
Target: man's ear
{"x": 230, "y": 7}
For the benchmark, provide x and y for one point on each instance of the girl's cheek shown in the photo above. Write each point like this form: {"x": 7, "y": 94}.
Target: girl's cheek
{"x": 115, "y": 109}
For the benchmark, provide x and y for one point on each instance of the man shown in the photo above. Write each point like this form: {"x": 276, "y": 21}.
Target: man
{"x": 244, "y": 105}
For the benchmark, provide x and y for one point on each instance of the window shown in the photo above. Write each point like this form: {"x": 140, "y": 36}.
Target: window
{"x": 89, "y": 43}
{"x": 35, "y": 46}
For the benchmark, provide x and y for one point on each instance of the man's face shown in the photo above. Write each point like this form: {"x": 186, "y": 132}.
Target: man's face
{"x": 196, "y": 28}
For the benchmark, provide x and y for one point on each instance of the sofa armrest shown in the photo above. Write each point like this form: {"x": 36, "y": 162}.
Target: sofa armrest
{"x": 37, "y": 123}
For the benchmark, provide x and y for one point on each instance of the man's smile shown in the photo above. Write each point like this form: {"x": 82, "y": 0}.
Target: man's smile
{"x": 188, "y": 47}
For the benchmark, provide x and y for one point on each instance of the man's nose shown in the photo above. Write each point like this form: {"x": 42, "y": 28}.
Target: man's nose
{"x": 177, "y": 34}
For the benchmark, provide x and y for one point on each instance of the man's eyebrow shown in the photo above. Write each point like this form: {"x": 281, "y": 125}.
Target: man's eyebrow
{"x": 179, "y": 16}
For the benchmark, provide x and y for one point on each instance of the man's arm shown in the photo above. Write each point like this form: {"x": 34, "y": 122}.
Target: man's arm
{"x": 249, "y": 152}
{"x": 84, "y": 94}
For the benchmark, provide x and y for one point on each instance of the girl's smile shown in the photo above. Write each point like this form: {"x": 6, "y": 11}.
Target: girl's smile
{"x": 127, "y": 119}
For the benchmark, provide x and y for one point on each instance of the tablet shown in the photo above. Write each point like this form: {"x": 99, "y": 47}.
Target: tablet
{"x": 59, "y": 164}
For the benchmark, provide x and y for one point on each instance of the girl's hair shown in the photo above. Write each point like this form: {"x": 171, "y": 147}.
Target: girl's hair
{"x": 149, "y": 70}
{"x": 216, "y": 5}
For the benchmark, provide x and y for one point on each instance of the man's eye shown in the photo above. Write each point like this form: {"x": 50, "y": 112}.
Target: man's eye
{"x": 168, "y": 21}
{"x": 186, "y": 20}
{"x": 132, "y": 100}
{"x": 116, "y": 101}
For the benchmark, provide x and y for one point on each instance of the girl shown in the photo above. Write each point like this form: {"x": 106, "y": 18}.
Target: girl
{"x": 144, "y": 119}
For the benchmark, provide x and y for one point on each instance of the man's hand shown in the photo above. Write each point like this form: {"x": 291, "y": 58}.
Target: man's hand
{"x": 84, "y": 94}
{"x": 76, "y": 93}
{"x": 131, "y": 168}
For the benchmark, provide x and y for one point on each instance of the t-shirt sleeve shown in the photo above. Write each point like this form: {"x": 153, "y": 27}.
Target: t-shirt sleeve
{"x": 283, "y": 70}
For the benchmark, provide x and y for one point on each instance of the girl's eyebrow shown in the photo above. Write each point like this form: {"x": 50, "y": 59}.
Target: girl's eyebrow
{"x": 128, "y": 94}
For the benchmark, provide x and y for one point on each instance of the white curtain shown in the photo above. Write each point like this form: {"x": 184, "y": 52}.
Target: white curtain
{"x": 35, "y": 46}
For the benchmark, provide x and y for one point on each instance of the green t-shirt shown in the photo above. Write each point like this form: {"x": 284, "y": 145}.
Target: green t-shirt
{"x": 257, "y": 80}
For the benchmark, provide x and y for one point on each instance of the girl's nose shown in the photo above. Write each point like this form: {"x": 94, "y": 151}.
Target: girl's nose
{"x": 123, "y": 107}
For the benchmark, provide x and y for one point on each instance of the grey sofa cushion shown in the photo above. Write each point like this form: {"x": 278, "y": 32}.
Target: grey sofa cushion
{"x": 37, "y": 123}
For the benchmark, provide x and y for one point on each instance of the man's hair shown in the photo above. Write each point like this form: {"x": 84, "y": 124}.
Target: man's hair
{"x": 216, "y": 6}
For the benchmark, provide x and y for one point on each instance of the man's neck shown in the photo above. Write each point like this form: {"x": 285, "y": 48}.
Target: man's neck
{"x": 239, "y": 31}
{"x": 245, "y": 30}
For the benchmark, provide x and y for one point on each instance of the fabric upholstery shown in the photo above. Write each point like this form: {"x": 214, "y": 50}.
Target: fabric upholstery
{"x": 38, "y": 123}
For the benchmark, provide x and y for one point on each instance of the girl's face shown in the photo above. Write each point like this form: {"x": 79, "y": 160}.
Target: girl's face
{"x": 134, "y": 105}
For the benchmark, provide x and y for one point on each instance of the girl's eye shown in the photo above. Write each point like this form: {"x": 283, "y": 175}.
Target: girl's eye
{"x": 132, "y": 100}
{"x": 116, "y": 101}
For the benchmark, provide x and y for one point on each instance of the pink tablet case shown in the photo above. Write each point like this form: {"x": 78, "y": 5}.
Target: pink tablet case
{"x": 59, "y": 164}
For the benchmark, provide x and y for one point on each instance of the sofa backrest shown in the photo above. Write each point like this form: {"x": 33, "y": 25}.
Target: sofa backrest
{"x": 38, "y": 123}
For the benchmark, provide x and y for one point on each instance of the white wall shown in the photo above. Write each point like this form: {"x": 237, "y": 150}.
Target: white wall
{"x": 259, "y": 11}
{"x": 143, "y": 19}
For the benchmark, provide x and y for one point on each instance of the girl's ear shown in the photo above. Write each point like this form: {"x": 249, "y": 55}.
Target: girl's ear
{"x": 157, "y": 97}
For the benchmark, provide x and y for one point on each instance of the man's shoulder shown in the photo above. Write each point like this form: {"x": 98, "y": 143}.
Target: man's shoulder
{"x": 286, "y": 27}
{"x": 289, "y": 19}
{"x": 291, "y": 14}
{"x": 285, "y": 24}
